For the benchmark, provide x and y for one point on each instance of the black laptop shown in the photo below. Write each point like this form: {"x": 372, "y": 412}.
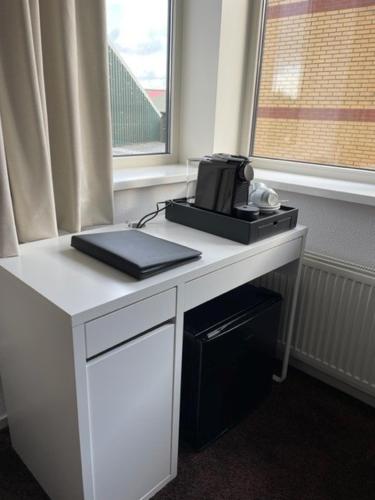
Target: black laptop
{"x": 134, "y": 252}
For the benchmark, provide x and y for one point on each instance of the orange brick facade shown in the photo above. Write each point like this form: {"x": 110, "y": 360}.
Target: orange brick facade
{"x": 317, "y": 89}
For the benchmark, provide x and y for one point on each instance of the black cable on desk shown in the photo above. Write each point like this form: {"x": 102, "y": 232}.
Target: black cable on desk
{"x": 143, "y": 221}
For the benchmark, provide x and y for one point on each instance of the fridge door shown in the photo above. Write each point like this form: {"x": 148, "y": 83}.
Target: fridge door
{"x": 236, "y": 373}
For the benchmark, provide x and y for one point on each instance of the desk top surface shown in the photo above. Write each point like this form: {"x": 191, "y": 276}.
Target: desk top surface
{"x": 84, "y": 288}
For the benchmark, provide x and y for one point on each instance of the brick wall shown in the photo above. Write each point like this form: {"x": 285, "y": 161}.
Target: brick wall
{"x": 317, "y": 91}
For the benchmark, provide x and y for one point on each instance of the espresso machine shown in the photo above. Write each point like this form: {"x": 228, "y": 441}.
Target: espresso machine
{"x": 223, "y": 183}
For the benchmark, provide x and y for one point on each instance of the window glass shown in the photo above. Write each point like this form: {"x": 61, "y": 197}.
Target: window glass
{"x": 316, "y": 93}
{"x": 138, "y": 48}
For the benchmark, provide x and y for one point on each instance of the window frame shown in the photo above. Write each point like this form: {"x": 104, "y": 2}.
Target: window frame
{"x": 257, "y": 27}
{"x": 120, "y": 162}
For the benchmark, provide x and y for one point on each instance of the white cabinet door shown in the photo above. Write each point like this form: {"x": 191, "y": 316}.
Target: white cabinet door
{"x": 130, "y": 399}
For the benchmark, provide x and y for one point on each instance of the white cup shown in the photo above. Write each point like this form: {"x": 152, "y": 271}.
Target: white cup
{"x": 263, "y": 196}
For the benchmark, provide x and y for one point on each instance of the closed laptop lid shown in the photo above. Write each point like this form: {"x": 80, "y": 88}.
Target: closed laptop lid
{"x": 139, "y": 251}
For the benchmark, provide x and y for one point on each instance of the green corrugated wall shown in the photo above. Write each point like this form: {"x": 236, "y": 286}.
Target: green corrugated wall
{"x": 134, "y": 119}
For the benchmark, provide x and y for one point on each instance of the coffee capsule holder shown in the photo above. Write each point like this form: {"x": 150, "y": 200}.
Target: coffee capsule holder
{"x": 243, "y": 231}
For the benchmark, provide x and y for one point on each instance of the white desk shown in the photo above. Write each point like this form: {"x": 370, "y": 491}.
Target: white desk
{"x": 91, "y": 358}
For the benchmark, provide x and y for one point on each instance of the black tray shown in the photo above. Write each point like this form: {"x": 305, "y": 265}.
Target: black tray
{"x": 229, "y": 227}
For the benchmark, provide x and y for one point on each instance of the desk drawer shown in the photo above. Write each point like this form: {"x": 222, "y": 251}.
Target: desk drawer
{"x": 218, "y": 282}
{"x": 122, "y": 325}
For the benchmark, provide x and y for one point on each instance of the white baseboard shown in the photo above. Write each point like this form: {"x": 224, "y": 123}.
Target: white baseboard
{"x": 332, "y": 381}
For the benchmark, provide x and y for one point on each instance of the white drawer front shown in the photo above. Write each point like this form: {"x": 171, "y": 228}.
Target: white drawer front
{"x": 218, "y": 282}
{"x": 119, "y": 326}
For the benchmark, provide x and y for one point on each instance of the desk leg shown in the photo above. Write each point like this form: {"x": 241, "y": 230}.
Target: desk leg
{"x": 296, "y": 269}
{"x": 179, "y": 328}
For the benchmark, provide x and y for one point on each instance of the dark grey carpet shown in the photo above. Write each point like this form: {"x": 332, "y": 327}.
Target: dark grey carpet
{"x": 306, "y": 442}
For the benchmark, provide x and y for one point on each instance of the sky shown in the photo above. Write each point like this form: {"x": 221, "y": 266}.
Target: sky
{"x": 138, "y": 29}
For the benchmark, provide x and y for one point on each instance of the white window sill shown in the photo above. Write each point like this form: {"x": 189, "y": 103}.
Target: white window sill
{"x": 354, "y": 192}
{"x": 140, "y": 177}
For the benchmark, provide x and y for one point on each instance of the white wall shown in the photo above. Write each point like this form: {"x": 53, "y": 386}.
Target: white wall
{"x": 200, "y": 48}
{"x": 337, "y": 228}
{"x": 132, "y": 204}
{"x": 232, "y": 59}
{"x": 212, "y": 81}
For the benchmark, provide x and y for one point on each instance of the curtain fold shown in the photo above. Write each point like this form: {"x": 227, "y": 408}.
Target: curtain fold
{"x": 54, "y": 107}
{"x": 23, "y": 116}
{"x": 8, "y": 234}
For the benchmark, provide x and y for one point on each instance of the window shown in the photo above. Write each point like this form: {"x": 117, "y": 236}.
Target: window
{"x": 315, "y": 97}
{"x": 139, "y": 41}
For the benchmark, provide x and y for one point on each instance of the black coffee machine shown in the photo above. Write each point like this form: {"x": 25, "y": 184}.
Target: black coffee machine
{"x": 223, "y": 183}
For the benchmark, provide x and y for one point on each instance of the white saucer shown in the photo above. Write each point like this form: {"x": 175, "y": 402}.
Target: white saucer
{"x": 270, "y": 210}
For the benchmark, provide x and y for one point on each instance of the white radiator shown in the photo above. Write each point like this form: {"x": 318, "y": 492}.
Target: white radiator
{"x": 334, "y": 334}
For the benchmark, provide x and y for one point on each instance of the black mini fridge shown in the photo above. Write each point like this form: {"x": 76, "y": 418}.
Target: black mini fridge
{"x": 228, "y": 361}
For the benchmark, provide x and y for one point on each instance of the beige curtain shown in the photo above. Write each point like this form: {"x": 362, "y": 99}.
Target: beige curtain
{"x": 55, "y": 145}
